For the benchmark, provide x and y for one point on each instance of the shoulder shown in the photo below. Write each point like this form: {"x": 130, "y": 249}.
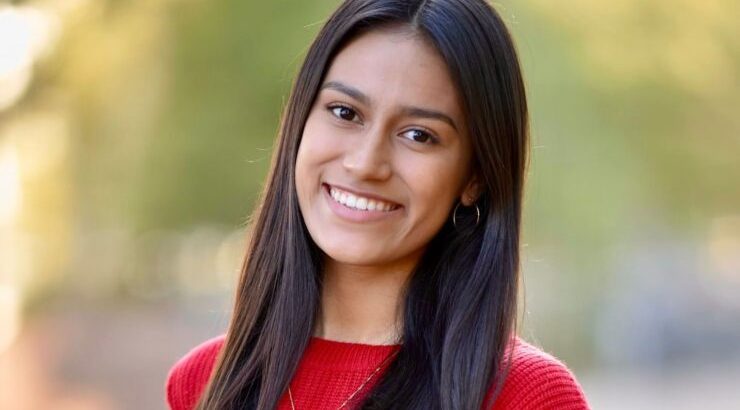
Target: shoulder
{"x": 539, "y": 380}
{"x": 188, "y": 376}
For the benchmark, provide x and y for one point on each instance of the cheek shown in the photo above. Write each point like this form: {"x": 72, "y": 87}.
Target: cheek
{"x": 433, "y": 186}
{"x": 312, "y": 151}
{"x": 319, "y": 152}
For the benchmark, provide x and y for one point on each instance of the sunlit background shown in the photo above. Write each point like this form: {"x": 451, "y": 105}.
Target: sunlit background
{"x": 135, "y": 135}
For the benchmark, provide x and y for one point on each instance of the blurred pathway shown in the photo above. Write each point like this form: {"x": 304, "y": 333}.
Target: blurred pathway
{"x": 102, "y": 357}
{"x": 87, "y": 356}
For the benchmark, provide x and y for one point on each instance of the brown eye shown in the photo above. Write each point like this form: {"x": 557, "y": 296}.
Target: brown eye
{"x": 343, "y": 112}
{"x": 417, "y": 135}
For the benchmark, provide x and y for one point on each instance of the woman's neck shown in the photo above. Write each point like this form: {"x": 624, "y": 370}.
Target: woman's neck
{"x": 361, "y": 304}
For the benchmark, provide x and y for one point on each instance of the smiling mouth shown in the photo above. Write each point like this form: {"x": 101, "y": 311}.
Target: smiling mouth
{"x": 358, "y": 202}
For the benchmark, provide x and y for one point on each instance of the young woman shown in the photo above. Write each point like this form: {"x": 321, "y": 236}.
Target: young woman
{"x": 383, "y": 264}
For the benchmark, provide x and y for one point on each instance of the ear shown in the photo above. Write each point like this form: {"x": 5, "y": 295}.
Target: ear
{"x": 472, "y": 191}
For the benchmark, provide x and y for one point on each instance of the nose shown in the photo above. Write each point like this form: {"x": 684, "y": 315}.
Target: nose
{"x": 369, "y": 157}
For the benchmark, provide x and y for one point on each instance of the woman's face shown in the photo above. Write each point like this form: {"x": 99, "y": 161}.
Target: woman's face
{"x": 387, "y": 137}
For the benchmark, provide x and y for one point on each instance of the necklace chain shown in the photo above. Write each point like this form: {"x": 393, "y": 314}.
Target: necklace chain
{"x": 377, "y": 369}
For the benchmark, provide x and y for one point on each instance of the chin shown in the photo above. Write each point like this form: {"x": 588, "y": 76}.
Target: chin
{"x": 358, "y": 255}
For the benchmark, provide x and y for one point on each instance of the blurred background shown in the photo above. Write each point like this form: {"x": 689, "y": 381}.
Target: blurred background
{"x": 135, "y": 136}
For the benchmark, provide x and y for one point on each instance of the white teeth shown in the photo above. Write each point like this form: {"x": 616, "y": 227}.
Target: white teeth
{"x": 361, "y": 203}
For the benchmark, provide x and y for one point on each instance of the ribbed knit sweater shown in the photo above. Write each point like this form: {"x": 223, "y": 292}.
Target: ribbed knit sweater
{"x": 330, "y": 371}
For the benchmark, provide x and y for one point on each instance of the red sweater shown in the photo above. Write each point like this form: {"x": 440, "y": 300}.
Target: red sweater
{"x": 330, "y": 371}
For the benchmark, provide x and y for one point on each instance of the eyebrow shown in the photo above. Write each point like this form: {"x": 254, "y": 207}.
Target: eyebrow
{"x": 406, "y": 110}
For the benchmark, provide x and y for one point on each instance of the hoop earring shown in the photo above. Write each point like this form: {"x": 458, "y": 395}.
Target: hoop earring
{"x": 477, "y": 215}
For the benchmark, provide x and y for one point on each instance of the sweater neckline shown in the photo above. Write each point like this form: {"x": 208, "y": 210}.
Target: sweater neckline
{"x": 347, "y": 356}
{"x": 341, "y": 344}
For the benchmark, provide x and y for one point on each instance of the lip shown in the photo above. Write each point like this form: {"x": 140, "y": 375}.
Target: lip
{"x": 356, "y": 215}
{"x": 360, "y": 193}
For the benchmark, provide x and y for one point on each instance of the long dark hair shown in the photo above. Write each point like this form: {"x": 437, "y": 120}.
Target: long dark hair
{"x": 460, "y": 301}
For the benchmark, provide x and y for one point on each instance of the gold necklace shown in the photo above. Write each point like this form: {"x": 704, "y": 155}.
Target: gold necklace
{"x": 377, "y": 369}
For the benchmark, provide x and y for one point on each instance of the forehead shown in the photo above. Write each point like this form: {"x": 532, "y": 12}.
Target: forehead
{"x": 396, "y": 67}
